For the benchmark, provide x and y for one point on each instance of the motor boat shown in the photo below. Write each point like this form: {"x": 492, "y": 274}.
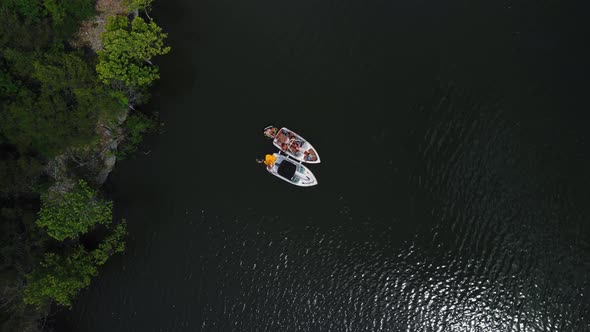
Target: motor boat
{"x": 292, "y": 171}
{"x": 292, "y": 144}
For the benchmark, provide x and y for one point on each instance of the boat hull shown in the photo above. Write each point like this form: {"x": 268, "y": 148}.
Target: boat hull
{"x": 295, "y": 146}
{"x": 293, "y": 172}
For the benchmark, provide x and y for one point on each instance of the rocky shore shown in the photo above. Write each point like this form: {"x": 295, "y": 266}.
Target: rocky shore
{"x": 98, "y": 160}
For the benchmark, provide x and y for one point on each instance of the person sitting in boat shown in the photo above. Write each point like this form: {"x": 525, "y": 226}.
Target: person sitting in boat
{"x": 294, "y": 146}
{"x": 309, "y": 155}
{"x": 283, "y": 136}
{"x": 284, "y": 147}
{"x": 269, "y": 160}
{"x": 271, "y": 131}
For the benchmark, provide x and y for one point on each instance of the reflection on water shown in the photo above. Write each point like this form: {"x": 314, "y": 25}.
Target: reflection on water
{"x": 498, "y": 256}
{"x": 455, "y": 208}
{"x": 493, "y": 247}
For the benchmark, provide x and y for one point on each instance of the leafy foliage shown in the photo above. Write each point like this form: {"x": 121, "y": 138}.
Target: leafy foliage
{"x": 51, "y": 101}
{"x": 138, "y": 4}
{"x": 23, "y": 34}
{"x": 35, "y": 16}
{"x": 136, "y": 126}
{"x": 61, "y": 107}
{"x": 113, "y": 243}
{"x": 20, "y": 63}
{"x": 71, "y": 214}
{"x": 20, "y": 238}
{"x": 59, "y": 278}
{"x": 8, "y": 85}
{"x": 30, "y": 10}
{"x": 19, "y": 173}
{"x": 67, "y": 14}
{"x": 128, "y": 51}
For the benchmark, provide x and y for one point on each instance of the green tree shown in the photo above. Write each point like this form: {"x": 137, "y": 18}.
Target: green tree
{"x": 59, "y": 278}
{"x": 71, "y": 214}
{"x": 128, "y": 51}
{"x": 136, "y": 126}
{"x": 29, "y": 10}
{"x": 18, "y": 222}
{"x": 8, "y": 85}
{"x": 60, "y": 105}
{"x": 138, "y": 4}
{"x": 113, "y": 243}
{"x": 22, "y": 20}
{"x": 67, "y": 74}
{"x": 66, "y": 15}
{"x": 23, "y": 34}
{"x": 20, "y": 174}
{"x": 20, "y": 63}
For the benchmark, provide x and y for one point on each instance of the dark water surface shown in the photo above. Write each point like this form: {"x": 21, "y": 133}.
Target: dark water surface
{"x": 453, "y": 188}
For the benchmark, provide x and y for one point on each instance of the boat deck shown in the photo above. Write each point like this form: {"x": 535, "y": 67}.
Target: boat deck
{"x": 291, "y": 143}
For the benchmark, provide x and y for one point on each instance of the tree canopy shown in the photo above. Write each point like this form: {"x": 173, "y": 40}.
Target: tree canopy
{"x": 19, "y": 173}
{"x": 71, "y": 214}
{"x": 128, "y": 51}
{"x": 52, "y": 101}
{"x": 138, "y": 4}
{"x": 63, "y": 16}
{"x": 113, "y": 243}
{"x": 61, "y": 277}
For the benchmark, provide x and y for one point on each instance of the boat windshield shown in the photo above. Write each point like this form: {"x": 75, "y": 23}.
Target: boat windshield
{"x": 286, "y": 169}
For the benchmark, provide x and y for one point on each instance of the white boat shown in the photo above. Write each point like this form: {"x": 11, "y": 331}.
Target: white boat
{"x": 292, "y": 144}
{"x": 292, "y": 171}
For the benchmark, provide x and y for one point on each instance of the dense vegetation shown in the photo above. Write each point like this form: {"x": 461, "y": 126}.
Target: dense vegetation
{"x": 56, "y": 229}
{"x": 60, "y": 277}
{"x": 128, "y": 49}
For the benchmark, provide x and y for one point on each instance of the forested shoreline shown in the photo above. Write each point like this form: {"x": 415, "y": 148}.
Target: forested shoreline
{"x": 68, "y": 111}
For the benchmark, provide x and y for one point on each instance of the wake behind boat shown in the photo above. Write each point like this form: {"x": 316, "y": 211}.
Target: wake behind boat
{"x": 292, "y": 171}
{"x": 292, "y": 144}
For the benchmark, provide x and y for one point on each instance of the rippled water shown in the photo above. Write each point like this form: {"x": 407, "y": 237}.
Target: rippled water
{"x": 453, "y": 183}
